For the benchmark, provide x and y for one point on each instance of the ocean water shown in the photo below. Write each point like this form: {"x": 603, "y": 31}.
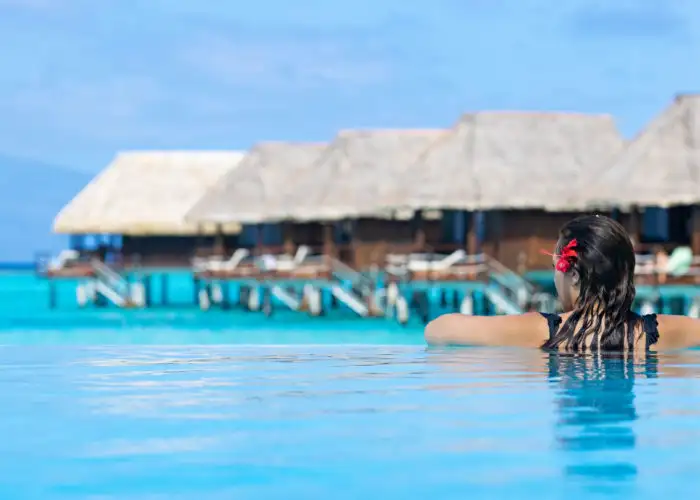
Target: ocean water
{"x": 26, "y": 319}
{"x": 185, "y": 405}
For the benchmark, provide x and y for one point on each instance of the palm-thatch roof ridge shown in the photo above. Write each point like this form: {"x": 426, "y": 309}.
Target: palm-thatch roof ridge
{"x": 501, "y": 160}
{"x": 487, "y": 160}
{"x": 146, "y": 193}
{"x": 660, "y": 167}
{"x": 254, "y": 192}
{"x": 440, "y": 177}
{"x": 351, "y": 177}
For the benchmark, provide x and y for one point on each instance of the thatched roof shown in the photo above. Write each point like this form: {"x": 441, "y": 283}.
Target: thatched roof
{"x": 492, "y": 160}
{"x": 146, "y": 193}
{"x": 660, "y": 167}
{"x": 351, "y": 177}
{"x": 255, "y": 191}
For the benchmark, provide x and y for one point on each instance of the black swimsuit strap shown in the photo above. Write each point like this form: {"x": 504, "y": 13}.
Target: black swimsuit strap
{"x": 651, "y": 329}
{"x": 553, "y": 321}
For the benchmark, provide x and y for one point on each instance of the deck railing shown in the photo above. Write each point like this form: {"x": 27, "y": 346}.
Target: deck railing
{"x": 648, "y": 271}
{"x": 111, "y": 278}
{"x": 343, "y": 272}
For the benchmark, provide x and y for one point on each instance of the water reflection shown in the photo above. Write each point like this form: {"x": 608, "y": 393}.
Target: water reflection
{"x": 355, "y": 421}
{"x": 595, "y": 398}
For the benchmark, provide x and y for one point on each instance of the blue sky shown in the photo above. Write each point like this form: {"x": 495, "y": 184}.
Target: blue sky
{"x": 82, "y": 79}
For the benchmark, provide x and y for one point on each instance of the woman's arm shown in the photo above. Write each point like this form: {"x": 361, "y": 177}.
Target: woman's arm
{"x": 522, "y": 330}
{"x": 678, "y": 332}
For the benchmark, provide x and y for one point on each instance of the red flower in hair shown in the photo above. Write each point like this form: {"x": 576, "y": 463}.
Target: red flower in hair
{"x": 567, "y": 257}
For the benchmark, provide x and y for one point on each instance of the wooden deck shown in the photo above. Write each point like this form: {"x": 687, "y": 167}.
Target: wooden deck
{"x": 455, "y": 273}
{"x": 686, "y": 279}
{"x": 81, "y": 270}
{"x": 320, "y": 267}
{"x": 253, "y": 272}
{"x": 86, "y": 270}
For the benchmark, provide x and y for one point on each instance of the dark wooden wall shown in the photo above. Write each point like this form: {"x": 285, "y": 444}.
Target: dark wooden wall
{"x": 172, "y": 250}
{"x": 514, "y": 237}
{"x": 517, "y": 238}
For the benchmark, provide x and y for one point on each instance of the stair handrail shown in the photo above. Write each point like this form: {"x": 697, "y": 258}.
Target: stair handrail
{"x": 544, "y": 301}
{"x": 343, "y": 271}
{"x": 101, "y": 268}
{"x": 498, "y": 267}
{"x": 106, "y": 290}
{"x": 113, "y": 279}
{"x": 343, "y": 295}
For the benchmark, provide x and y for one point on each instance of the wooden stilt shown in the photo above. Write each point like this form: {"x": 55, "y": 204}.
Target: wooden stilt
{"x": 244, "y": 297}
{"x": 53, "y": 296}
{"x": 423, "y": 306}
{"x": 226, "y": 293}
{"x": 197, "y": 289}
{"x": 267, "y": 306}
{"x": 164, "y": 290}
{"x": 148, "y": 290}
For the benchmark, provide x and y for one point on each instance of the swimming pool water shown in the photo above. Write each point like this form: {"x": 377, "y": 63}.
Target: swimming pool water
{"x": 279, "y": 422}
{"x": 167, "y": 404}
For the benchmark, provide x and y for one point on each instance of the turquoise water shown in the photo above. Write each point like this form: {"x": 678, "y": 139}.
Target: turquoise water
{"x": 25, "y": 318}
{"x": 186, "y": 405}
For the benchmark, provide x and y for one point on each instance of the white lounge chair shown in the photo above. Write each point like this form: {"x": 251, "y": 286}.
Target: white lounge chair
{"x": 422, "y": 265}
{"x": 268, "y": 262}
{"x": 645, "y": 264}
{"x": 397, "y": 264}
{"x": 63, "y": 258}
{"x": 285, "y": 262}
{"x": 680, "y": 261}
{"x": 218, "y": 265}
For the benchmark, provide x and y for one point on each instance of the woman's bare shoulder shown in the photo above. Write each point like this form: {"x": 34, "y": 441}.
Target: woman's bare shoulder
{"x": 677, "y": 332}
{"x": 526, "y": 330}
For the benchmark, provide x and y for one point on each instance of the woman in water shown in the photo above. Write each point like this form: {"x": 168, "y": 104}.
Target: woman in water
{"x": 594, "y": 277}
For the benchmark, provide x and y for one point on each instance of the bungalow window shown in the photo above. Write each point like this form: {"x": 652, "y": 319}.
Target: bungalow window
{"x": 680, "y": 221}
{"x": 272, "y": 234}
{"x": 667, "y": 225}
{"x": 248, "y": 236}
{"x": 655, "y": 228}
{"x": 454, "y": 226}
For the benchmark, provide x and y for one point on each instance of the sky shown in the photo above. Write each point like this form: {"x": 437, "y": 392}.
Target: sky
{"x": 82, "y": 79}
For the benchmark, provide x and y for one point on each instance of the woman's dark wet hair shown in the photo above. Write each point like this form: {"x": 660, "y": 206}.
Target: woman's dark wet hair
{"x": 602, "y": 317}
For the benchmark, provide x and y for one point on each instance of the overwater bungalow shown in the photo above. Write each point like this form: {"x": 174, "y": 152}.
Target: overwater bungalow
{"x": 655, "y": 184}
{"x": 343, "y": 193}
{"x": 507, "y": 181}
{"x": 324, "y": 198}
{"x": 250, "y": 195}
{"x": 336, "y": 198}
{"x": 135, "y": 211}
{"x": 480, "y": 199}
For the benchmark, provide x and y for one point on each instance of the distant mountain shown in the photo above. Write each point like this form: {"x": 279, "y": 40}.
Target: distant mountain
{"x": 31, "y": 194}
